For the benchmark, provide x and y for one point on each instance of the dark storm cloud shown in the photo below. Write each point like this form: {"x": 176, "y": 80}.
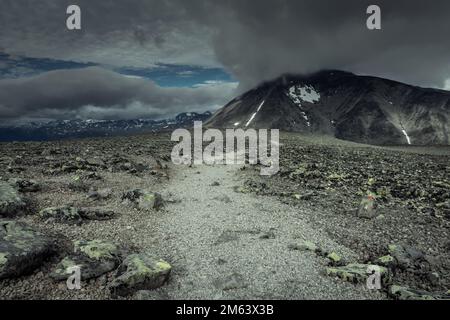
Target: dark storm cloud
{"x": 95, "y": 93}
{"x": 259, "y": 40}
{"x": 255, "y": 40}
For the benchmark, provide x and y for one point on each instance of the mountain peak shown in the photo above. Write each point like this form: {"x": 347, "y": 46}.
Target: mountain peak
{"x": 344, "y": 105}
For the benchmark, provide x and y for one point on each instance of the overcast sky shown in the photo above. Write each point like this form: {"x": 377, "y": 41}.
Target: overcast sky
{"x": 154, "y": 58}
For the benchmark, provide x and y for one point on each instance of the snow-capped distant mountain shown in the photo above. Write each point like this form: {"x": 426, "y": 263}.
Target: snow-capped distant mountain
{"x": 350, "y": 107}
{"x": 64, "y": 129}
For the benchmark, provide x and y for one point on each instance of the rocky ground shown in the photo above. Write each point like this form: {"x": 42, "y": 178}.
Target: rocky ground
{"x": 142, "y": 228}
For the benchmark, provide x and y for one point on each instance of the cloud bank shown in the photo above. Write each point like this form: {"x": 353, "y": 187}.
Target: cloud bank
{"x": 96, "y": 93}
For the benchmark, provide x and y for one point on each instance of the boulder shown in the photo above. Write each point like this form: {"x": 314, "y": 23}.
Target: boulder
{"x": 387, "y": 261}
{"x": 405, "y": 256}
{"x": 304, "y": 246}
{"x": 357, "y": 273}
{"x": 140, "y": 272}
{"x": 144, "y": 200}
{"x": 65, "y": 214}
{"x": 94, "y": 258}
{"x": 96, "y": 213}
{"x": 22, "y": 249}
{"x": 404, "y": 293}
{"x": 72, "y": 215}
{"x": 11, "y": 203}
{"x": 335, "y": 259}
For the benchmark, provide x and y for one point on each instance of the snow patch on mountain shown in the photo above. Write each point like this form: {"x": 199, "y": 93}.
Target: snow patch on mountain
{"x": 253, "y": 115}
{"x": 306, "y": 93}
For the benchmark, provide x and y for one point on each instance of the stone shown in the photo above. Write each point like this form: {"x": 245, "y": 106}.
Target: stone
{"x": 304, "y": 246}
{"x": 93, "y": 257}
{"x": 404, "y": 293}
{"x": 11, "y": 203}
{"x": 367, "y": 206}
{"x": 357, "y": 273}
{"x": 140, "y": 272}
{"x": 24, "y": 185}
{"x": 69, "y": 215}
{"x": 96, "y": 213}
{"x": 150, "y": 201}
{"x": 387, "y": 261}
{"x": 144, "y": 200}
{"x": 406, "y": 256}
{"x": 101, "y": 194}
{"x": 22, "y": 249}
{"x": 334, "y": 258}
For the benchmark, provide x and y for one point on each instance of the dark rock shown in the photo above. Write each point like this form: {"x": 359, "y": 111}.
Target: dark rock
{"x": 144, "y": 200}
{"x": 24, "y": 185}
{"x": 64, "y": 214}
{"x": 94, "y": 258}
{"x": 139, "y": 272}
{"x": 22, "y": 249}
{"x": 11, "y": 203}
{"x": 96, "y": 213}
{"x": 405, "y": 256}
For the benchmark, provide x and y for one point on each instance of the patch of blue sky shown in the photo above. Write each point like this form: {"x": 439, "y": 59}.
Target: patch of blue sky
{"x": 165, "y": 75}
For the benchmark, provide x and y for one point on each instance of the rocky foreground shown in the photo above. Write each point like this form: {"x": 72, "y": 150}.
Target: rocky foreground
{"x": 141, "y": 228}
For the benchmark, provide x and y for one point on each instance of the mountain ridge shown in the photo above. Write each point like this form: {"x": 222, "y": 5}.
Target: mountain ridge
{"x": 363, "y": 109}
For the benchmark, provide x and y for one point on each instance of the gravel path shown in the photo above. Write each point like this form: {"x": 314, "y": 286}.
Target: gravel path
{"x": 230, "y": 245}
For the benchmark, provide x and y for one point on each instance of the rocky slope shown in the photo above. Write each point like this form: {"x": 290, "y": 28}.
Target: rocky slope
{"x": 350, "y": 107}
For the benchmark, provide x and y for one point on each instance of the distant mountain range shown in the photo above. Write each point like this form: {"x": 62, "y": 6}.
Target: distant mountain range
{"x": 357, "y": 108}
{"x": 71, "y": 129}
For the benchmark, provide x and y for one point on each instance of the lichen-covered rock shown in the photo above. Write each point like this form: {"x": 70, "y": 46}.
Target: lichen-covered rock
{"x": 94, "y": 258}
{"x": 357, "y": 273}
{"x": 22, "y": 249}
{"x": 304, "y": 246}
{"x": 96, "y": 213}
{"x": 404, "y": 255}
{"x": 403, "y": 293}
{"x": 11, "y": 203}
{"x": 140, "y": 272}
{"x": 24, "y": 185}
{"x": 150, "y": 201}
{"x": 335, "y": 259}
{"x": 144, "y": 200}
{"x": 387, "y": 261}
{"x": 67, "y": 214}
{"x": 72, "y": 215}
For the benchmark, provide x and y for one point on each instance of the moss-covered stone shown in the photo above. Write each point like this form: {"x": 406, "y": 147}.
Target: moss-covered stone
{"x": 334, "y": 258}
{"x": 11, "y": 202}
{"x": 149, "y": 201}
{"x": 96, "y": 249}
{"x": 403, "y": 293}
{"x": 94, "y": 258}
{"x": 140, "y": 272}
{"x": 356, "y": 273}
{"x": 386, "y": 261}
{"x": 304, "y": 246}
{"x": 22, "y": 249}
{"x": 61, "y": 214}
{"x": 144, "y": 200}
